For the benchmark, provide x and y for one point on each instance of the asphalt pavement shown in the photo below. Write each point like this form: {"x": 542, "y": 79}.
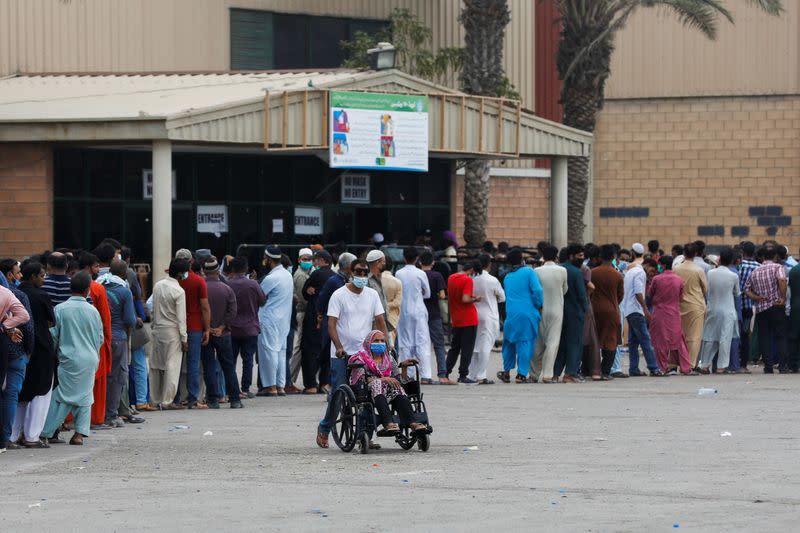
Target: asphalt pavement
{"x": 640, "y": 454}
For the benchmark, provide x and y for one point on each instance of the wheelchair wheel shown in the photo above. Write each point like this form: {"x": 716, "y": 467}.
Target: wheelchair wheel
{"x": 406, "y": 439}
{"x": 363, "y": 442}
{"x": 344, "y": 418}
{"x": 424, "y": 443}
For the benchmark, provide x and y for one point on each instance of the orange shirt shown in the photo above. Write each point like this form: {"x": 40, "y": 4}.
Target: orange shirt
{"x": 97, "y": 293}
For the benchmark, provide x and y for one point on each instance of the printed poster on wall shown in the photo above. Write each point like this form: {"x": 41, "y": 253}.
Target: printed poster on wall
{"x": 355, "y": 188}
{"x": 147, "y": 184}
{"x": 379, "y": 131}
{"x": 308, "y": 221}
{"x": 212, "y": 219}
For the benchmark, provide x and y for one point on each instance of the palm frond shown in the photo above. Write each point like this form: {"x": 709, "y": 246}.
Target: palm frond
{"x": 701, "y": 15}
{"x": 772, "y": 7}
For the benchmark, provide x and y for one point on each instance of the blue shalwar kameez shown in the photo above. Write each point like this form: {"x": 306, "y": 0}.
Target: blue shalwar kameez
{"x": 274, "y": 317}
{"x": 524, "y": 298}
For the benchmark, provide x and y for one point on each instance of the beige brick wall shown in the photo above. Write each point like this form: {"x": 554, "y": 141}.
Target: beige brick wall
{"x": 26, "y": 199}
{"x": 519, "y": 210}
{"x": 697, "y": 162}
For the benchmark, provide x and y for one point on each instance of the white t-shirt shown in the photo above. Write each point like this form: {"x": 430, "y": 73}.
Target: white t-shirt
{"x": 355, "y": 314}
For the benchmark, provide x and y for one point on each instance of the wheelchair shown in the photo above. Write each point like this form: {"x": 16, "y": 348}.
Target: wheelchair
{"x": 355, "y": 416}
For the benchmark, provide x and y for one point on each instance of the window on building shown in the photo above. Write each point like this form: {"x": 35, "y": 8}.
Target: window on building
{"x": 262, "y": 40}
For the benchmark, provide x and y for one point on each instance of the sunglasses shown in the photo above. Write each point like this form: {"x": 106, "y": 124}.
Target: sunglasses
{"x": 364, "y": 271}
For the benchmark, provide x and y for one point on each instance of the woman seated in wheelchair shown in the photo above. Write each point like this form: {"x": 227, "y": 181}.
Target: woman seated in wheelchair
{"x": 381, "y": 373}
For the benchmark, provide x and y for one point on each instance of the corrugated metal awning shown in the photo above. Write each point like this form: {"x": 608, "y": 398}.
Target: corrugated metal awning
{"x": 229, "y": 109}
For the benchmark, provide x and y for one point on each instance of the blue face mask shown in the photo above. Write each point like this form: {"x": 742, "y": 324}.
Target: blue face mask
{"x": 16, "y": 283}
{"x": 377, "y": 347}
{"x": 185, "y": 276}
{"x": 359, "y": 282}
{"x": 306, "y": 265}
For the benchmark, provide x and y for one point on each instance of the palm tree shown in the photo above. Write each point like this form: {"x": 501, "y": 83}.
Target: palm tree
{"x": 482, "y": 74}
{"x": 584, "y": 64}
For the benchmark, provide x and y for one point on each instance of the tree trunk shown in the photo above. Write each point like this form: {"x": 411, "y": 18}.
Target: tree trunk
{"x": 580, "y": 111}
{"x": 485, "y": 24}
{"x": 476, "y": 202}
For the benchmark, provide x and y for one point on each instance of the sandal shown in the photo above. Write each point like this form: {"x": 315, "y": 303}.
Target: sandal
{"x": 76, "y": 440}
{"x": 322, "y": 439}
{"x": 417, "y": 426}
{"x": 391, "y": 429}
{"x": 198, "y": 405}
{"x": 35, "y": 444}
{"x": 521, "y": 379}
{"x": 704, "y": 371}
{"x": 505, "y": 377}
{"x": 374, "y": 445}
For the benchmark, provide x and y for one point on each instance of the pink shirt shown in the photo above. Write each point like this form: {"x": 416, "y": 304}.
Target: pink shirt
{"x": 12, "y": 311}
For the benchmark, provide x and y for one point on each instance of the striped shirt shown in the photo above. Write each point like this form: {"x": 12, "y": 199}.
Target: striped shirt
{"x": 56, "y": 286}
{"x": 764, "y": 282}
{"x": 745, "y": 269}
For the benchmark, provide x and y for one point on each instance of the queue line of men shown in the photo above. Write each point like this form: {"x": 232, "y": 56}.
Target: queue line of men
{"x": 685, "y": 314}
{"x": 563, "y": 322}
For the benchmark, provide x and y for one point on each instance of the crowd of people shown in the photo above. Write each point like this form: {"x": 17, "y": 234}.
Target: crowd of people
{"x": 83, "y": 347}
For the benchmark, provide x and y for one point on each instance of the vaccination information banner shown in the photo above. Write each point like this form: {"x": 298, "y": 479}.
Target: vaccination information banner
{"x": 379, "y": 131}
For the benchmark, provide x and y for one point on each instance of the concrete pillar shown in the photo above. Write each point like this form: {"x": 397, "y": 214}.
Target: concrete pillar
{"x": 588, "y": 213}
{"x": 162, "y": 207}
{"x": 558, "y": 202}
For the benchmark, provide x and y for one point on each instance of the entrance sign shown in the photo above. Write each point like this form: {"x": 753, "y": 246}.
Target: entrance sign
{"x": 355, "y": 188}
{"x": 212, "y": 219}
{"x": 147, "y": 184}
{"x": 307, "y": 221}
{"x": 379, "y": 131}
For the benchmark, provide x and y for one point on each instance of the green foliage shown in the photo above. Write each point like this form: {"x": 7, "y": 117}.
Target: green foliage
{"x": 507, "y": 90}
{"x": 412, "y": 42}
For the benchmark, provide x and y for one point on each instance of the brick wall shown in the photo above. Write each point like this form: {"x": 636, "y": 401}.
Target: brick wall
{"x": 519, "y": 211}
{"x": 26, "y": 199}
{"x": 716, "y": 169}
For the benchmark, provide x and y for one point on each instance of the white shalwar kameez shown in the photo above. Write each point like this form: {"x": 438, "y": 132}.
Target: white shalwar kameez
{"x": 413, "y": 338}
{"x": 491, "y": 292}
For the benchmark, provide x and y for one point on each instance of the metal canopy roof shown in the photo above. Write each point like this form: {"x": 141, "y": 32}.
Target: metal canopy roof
{"x": 229, "y": 109}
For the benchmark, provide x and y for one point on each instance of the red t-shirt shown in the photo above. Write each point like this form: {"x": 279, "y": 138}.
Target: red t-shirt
{"x": 461, "y": 314}
{"x": 195, "y": 288}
